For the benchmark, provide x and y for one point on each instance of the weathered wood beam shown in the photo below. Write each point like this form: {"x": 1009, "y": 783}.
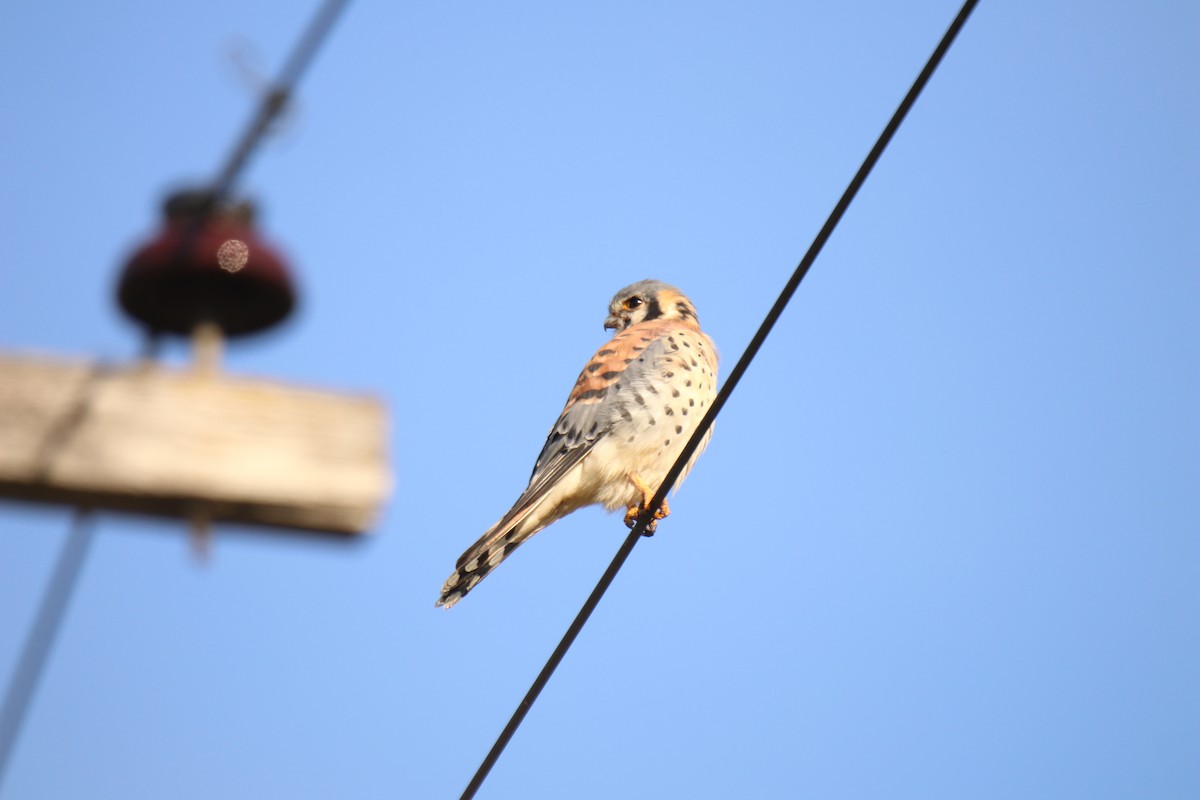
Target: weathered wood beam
{"x": 178, "y": 443}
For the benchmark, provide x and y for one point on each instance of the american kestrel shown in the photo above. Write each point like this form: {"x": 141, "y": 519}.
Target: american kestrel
{"x": 633, "y": 408}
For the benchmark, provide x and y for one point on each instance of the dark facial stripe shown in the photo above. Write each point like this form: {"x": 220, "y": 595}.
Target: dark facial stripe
{"x": 653, "y": 309}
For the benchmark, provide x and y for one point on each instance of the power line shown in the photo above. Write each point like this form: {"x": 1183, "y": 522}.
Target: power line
{"x": 731, "y": 382}
{"x": 41, "y": 636}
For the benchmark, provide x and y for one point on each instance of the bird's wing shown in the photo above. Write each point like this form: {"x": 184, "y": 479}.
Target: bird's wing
{"x": 600, "y": 398}
{"x": 593, "y": 406}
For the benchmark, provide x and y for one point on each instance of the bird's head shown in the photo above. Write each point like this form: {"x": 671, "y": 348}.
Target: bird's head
{"x": 648, "y": 300}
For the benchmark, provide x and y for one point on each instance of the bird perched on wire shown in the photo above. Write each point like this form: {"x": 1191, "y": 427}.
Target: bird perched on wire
{"x": 633, "y": 408}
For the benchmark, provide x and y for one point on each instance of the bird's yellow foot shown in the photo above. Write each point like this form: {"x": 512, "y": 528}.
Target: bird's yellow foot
{"x": 631, "y": 516}
{"x": 633, "y": 512}
{"x": 631, "y": 520}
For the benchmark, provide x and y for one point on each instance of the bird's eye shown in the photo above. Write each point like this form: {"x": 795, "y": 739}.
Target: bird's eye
{"x": 633, "y": 303}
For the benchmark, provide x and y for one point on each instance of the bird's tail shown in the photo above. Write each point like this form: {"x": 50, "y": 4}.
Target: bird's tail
{"x": 483, "y": 556}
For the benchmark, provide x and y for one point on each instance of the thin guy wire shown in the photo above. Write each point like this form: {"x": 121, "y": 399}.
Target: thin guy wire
{"x": 274, "y": 102}
{"x": 41, "y": 636}
{"x": 68, "y": 424}
{"x": 276, "y": 99}
{"x": 730, "y": 383}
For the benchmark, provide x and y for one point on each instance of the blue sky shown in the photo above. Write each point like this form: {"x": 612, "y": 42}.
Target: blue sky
{"x": 945, "y": 542}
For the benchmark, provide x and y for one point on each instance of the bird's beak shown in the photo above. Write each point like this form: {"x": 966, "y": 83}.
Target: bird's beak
{"x": 612, "y": 323}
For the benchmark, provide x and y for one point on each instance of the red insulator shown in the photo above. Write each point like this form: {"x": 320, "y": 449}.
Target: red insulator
{"x": 206, "y": 264}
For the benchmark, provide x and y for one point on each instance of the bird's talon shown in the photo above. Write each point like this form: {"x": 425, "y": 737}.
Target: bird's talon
{"x": 634, "y": 513}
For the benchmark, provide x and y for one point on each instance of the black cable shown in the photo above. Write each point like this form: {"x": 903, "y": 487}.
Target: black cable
{"x": 730, "y": 383}
{"x": 41, "y": 637}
